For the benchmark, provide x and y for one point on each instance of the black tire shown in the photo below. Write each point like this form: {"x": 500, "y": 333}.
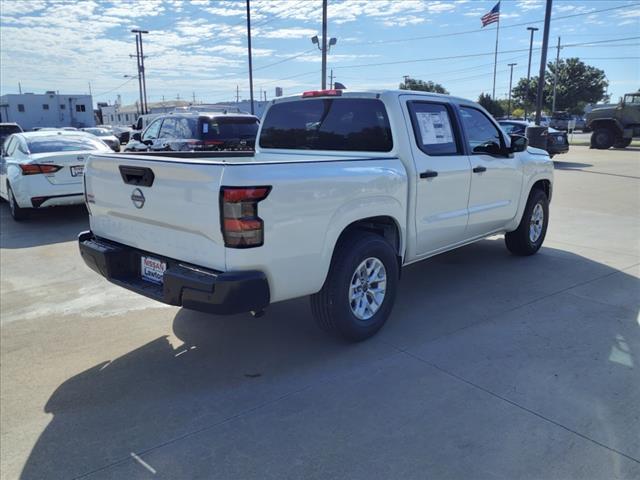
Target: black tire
{"x": 602, "y": 138}
{"x": 519, "y": 241}
{"x": 331, "y": 306}
{"x": 622, "y": 142}
{"x": 17, "y": 212}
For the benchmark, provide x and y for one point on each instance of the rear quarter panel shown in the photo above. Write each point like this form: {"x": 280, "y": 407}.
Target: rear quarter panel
{"x": 309, "y": 206}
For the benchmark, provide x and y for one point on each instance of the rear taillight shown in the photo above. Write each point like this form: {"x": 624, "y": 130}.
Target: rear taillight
{"x": 241, "y": 225}
{"x": 36, "y": 168}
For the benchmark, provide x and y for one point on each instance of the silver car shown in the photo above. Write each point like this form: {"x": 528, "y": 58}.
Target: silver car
{"x": 106, "y": 136}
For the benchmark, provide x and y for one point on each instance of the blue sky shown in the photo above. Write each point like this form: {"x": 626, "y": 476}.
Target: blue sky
{"x": 199, "y": 46}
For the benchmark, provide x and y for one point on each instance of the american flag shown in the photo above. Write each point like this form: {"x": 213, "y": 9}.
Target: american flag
{"x": 491, "y": 17}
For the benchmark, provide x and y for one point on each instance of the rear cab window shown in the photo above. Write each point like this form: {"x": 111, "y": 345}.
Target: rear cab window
{"x": 342, "y": 124}
{"x": 64, "y": 143}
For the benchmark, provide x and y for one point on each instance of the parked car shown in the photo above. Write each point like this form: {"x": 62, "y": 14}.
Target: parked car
{"x": 106, "y": 136}
{"x": 560, "y": 121}
{"x": 557, "y": 141}
{"x": 45, "y": 169}
{"x": 196, "y": 131}
{"x": 123, "y": 133}
{"x": 7, "y": 129}
{"x": 343, "y": 190}
{"x": 615, "y": 126}
{"x": 144, "y": 121}
{"x": 581, "y": 124}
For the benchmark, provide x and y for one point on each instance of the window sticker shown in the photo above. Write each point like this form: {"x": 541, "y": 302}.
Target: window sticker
{"x": 435, "y": 127}
{"x": 205, "y": 127}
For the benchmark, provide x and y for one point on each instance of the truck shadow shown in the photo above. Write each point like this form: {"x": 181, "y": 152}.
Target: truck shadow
{"x": 43, "y": 227}
{"x": 210, "y": 369}
{"x": 558, "y": 165}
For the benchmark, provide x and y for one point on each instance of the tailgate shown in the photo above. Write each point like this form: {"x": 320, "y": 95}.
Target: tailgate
{"x": 168, "y": 207}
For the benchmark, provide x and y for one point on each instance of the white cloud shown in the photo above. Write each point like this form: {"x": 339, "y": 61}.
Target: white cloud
{"x": 529, "y": 4}
{"x": 289, "y": 33}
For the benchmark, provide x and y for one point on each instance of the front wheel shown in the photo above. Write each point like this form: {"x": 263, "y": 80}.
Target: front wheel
{"x": 360, "y": 289}
{"x": 602, "y": 138}
{"x": 528, "y": 237}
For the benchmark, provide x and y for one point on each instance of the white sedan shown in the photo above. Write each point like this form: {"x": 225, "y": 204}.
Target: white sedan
{"x": 45, "y": 169}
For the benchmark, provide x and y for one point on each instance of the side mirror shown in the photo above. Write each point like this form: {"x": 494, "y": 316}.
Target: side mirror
{"x": 137, "y": 136}
{"x": 490, "y": 148}
{"x": 518, "y": 143}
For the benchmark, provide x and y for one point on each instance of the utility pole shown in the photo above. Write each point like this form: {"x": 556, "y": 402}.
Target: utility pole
{"x": 19, "y": 88}
{"x": 331, "y": 79}
{"x": 511, "y": 65}
{"x": 555, "y": 78}
{"x": 139, "y": 73}
{"x": 90, "y": 93}
{"x": 543, "y": 61}
{"x": 249, "y": 50}
{"x": 237, "y": 94}
{"x": 324, "y": 44}
{"x": 531, "y": 29}
{"x": 193, "y": 94}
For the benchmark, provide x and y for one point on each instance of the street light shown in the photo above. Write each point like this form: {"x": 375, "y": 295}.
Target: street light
{"x": 531, "y": 29}
{"x": 511, "y": 65}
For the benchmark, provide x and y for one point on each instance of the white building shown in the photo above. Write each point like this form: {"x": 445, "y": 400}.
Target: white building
{"x": 31, "y": 110}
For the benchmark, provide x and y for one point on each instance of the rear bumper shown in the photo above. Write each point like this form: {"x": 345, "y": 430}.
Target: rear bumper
{"x": 189, "y": 286}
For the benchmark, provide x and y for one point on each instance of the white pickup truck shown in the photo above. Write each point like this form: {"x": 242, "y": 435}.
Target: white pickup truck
{"x": 344, "y": 189}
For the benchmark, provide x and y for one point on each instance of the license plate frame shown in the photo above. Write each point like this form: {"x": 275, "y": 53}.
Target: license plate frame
{"x": 152, "y": 269}
{"x": 77, "y": 170}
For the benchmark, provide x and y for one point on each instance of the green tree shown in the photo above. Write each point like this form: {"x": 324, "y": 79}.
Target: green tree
{"x": 490, "y": 105}
{"x": 578, "y": 84}
{"x": 413, "y": 84}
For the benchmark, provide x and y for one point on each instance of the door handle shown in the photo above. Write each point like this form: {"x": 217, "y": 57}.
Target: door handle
{"x": 428, "y": 174}
{"x": 479, "y": 169}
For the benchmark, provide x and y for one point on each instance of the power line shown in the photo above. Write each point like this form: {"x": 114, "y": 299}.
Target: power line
{"x": 114, "y": 89}
{"x": 466, "y": 32}
{"x": 473, "y": 55}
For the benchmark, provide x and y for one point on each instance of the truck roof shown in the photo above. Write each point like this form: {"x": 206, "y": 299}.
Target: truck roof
{"x": 379, "y": 94}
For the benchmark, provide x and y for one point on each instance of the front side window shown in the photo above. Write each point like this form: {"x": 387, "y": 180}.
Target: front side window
{"x": 343, "y": 124}
{"x": 433, "y": 128}
{"x": 152, "y": 131}
{"x": 482, "y": 134}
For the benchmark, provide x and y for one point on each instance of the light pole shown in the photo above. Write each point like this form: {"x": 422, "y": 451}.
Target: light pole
{"x": 531, "y": 29}
{"x": 543, "y": 61}
{"x": 143, "y": 80}
{"x": 249, "y": 52}
{"x": 511, "y": 65}
{"x": 555, "y": 78}
{"x": 324, "y": 48}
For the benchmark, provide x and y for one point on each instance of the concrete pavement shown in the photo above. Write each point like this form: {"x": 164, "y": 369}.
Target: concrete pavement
{"x": 491, "y": 366}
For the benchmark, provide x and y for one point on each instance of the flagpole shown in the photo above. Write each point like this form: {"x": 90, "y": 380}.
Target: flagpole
{"x": 495, "y": 59}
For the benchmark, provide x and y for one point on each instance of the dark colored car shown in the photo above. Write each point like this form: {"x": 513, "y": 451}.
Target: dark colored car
{"x": 197, "y": 131}
{"x": 557, "y": 141}
{"x": 7, "y": 129}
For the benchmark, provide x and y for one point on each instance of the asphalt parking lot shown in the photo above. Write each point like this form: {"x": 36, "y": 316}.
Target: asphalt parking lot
{"x": 491, "y": 366}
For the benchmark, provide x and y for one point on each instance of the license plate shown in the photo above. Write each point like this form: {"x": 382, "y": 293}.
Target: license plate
{"x": 152, "y": 269}
{"x": 77, "y": 170}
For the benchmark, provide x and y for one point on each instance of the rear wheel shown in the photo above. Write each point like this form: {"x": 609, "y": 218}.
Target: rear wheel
{"x": 360, "y": 289}
{"x": 622, "y": 143}
{"x": 17, "y": 212}
{"x": 528, "y": 237}
{"x": 602, "y": 138}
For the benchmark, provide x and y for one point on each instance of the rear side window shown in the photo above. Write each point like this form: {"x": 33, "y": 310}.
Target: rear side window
{"x": 229, "y": 128}
{"x": 344, "y": 124}
{"x": 434, "y": 128}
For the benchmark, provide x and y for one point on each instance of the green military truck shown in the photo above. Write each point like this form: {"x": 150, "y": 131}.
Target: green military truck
{"x": 615, "y": 126}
